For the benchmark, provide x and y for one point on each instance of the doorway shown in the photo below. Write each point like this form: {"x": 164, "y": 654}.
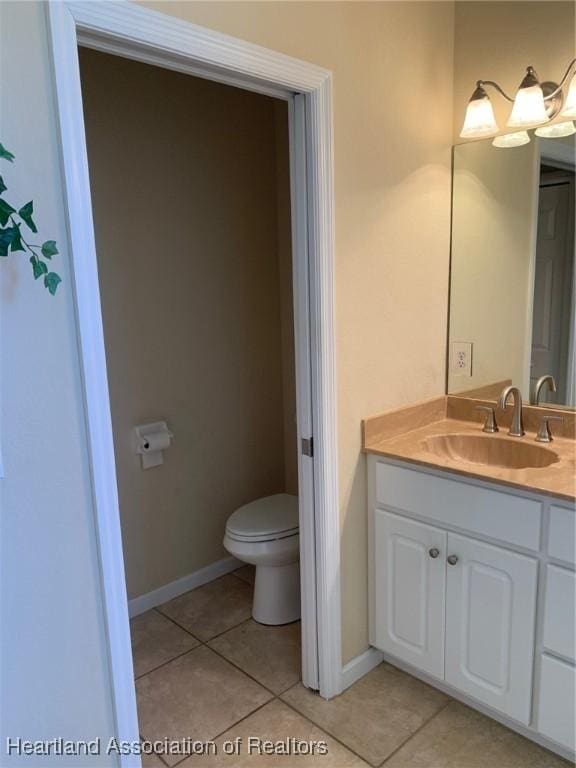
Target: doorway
{"x": 553, "y": 313}
{"x": 191, "y": 200}
{"x": 145, "y": 35}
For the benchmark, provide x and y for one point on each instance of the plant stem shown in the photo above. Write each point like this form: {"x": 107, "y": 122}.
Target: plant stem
{"x": 28, "y": 245}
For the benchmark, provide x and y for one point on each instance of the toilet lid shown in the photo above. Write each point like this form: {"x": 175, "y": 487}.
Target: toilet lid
{"x": 267, "y": 517}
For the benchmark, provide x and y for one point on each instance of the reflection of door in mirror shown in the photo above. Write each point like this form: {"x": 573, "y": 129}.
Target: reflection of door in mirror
{"x": 553, "y": 309}
{"x": 495, "y": 200}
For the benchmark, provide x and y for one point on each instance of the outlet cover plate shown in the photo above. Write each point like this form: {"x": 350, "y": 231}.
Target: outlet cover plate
{"x": 462, "y": 358}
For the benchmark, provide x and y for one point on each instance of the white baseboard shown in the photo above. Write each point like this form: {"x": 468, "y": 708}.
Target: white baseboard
{"x": 360, "y": 666}
{"x": 158, "y": 596}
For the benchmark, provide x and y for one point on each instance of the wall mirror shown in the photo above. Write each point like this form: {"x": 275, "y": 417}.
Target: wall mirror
{"x": 512, "y": 279}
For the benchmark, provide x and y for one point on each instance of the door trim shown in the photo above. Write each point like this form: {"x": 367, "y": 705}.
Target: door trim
{"x": 135, "y": 32}
{"x": 560, "y": 156}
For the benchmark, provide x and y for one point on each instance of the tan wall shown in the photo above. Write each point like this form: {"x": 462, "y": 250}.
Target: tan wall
{"x": 184, "y": 193}
{"x": 493, "y": 248}
{"x": 392, "y": 66}
{"x": 498, "y": 40}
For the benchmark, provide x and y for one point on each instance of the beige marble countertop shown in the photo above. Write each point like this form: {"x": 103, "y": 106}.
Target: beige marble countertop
{"x": 401, "y": 434}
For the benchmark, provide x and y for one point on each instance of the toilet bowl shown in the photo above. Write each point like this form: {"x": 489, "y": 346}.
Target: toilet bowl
{"x": 264, "y": 533}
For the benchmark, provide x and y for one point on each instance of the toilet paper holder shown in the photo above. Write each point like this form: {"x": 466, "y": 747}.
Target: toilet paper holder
{"x": 150, "y": 441}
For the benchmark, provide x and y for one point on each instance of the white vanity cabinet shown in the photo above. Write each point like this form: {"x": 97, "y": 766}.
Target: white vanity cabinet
{"x": 465, "y": 591}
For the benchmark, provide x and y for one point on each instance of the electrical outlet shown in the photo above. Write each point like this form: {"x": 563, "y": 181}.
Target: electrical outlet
{"x": 462, "y": 358}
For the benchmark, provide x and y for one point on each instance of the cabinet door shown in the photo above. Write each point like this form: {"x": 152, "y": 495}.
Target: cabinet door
{"x": 559, "y": 601}
{"x": 410, "y": 584}
{"x": 556, "y": 710}
{"x": 490, "y": 612}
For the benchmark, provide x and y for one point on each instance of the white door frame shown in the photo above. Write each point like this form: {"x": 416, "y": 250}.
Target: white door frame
{"x": 155, "y": 38}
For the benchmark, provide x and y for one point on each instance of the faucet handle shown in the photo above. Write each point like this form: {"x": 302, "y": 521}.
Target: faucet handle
{"x": 490, "y": 424}
{"x": 544, "y": 435}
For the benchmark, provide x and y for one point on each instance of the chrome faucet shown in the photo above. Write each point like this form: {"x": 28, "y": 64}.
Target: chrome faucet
{"x": 548, "y": 379}
{"x": 490, "y": 425}
{"x": 544, "y": 435}
{"x": 516, "y": 427}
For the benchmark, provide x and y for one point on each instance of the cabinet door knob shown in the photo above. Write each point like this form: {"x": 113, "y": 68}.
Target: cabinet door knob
{"x": 434, "y": 552}
{"x": 452, "y": 559}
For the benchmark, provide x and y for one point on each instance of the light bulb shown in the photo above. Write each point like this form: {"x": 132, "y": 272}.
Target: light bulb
{"x": 529, "y": 108}
{"x": 511, "y": 139}
{"x": 569, "y": 109}
{"x": 479, "y": 120}
{"x": 556, "y": 130}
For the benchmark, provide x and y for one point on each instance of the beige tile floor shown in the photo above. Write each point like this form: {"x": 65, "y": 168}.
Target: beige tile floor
{"x": 204, "y": 669}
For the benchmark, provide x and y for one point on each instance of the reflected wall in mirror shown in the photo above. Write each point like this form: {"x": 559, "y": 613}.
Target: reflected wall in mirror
{"x": 512, "y": 278}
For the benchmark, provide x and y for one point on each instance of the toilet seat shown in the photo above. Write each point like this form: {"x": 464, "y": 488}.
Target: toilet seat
{"x": 266, "y": 519}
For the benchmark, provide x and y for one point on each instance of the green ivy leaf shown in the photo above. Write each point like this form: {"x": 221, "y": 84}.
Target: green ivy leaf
{"x": 51, "y": 282}
{"x": 10, "y": 238}
{"x": 5, "y": 155}
{"x": 3, "y": 186}
{"x": 5, "y": 240}
{"x": 38, "y": 267}
{"x": 49, "y": 249}
{"x": 16, "y": 244}
{"x": 25, "y": 214}
{"x": 5, "y": 211}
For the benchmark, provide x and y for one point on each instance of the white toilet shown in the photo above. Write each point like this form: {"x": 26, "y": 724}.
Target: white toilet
{"x": 265, "y": 534}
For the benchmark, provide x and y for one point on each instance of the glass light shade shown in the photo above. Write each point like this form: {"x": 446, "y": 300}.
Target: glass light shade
{"x": 511, "y": 139}
{"x": 479, "y": 121}
{"x": 569, "y": 109}
{"x": 529, "y": 108}
{"x": 556, "y": 130}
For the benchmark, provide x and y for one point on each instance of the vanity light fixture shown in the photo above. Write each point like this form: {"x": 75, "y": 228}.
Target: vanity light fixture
{"x": 529, "y": 107}
{"x": 556, "y": 130}
{"x": 535, "y": 104}
{"x": 479, "y": 121}
{"x": 512, "y": 139}
{"x": 570, "y": 103}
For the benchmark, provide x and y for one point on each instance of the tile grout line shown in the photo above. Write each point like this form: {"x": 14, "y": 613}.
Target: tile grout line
{"x": 238, "y": 667}
{"x": 165, "y": 663}
{"x": 244, "y": 621}
{"x": 156, "y": 754}
{"x": 231, "y": 725}
{"x": 232, "y": 664}
{"x": 182, "y": 627}
{"x": 169, "y": 618}
{"x": 197, "y": 647}
{"x": 416, "y": 732}
{"x": 199, "y": 642}
{"x": 322, "y": 728}
{"x": 228, "y": 728}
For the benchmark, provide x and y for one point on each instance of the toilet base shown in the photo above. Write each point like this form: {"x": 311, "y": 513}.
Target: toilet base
{"x": 277, "y": 594}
